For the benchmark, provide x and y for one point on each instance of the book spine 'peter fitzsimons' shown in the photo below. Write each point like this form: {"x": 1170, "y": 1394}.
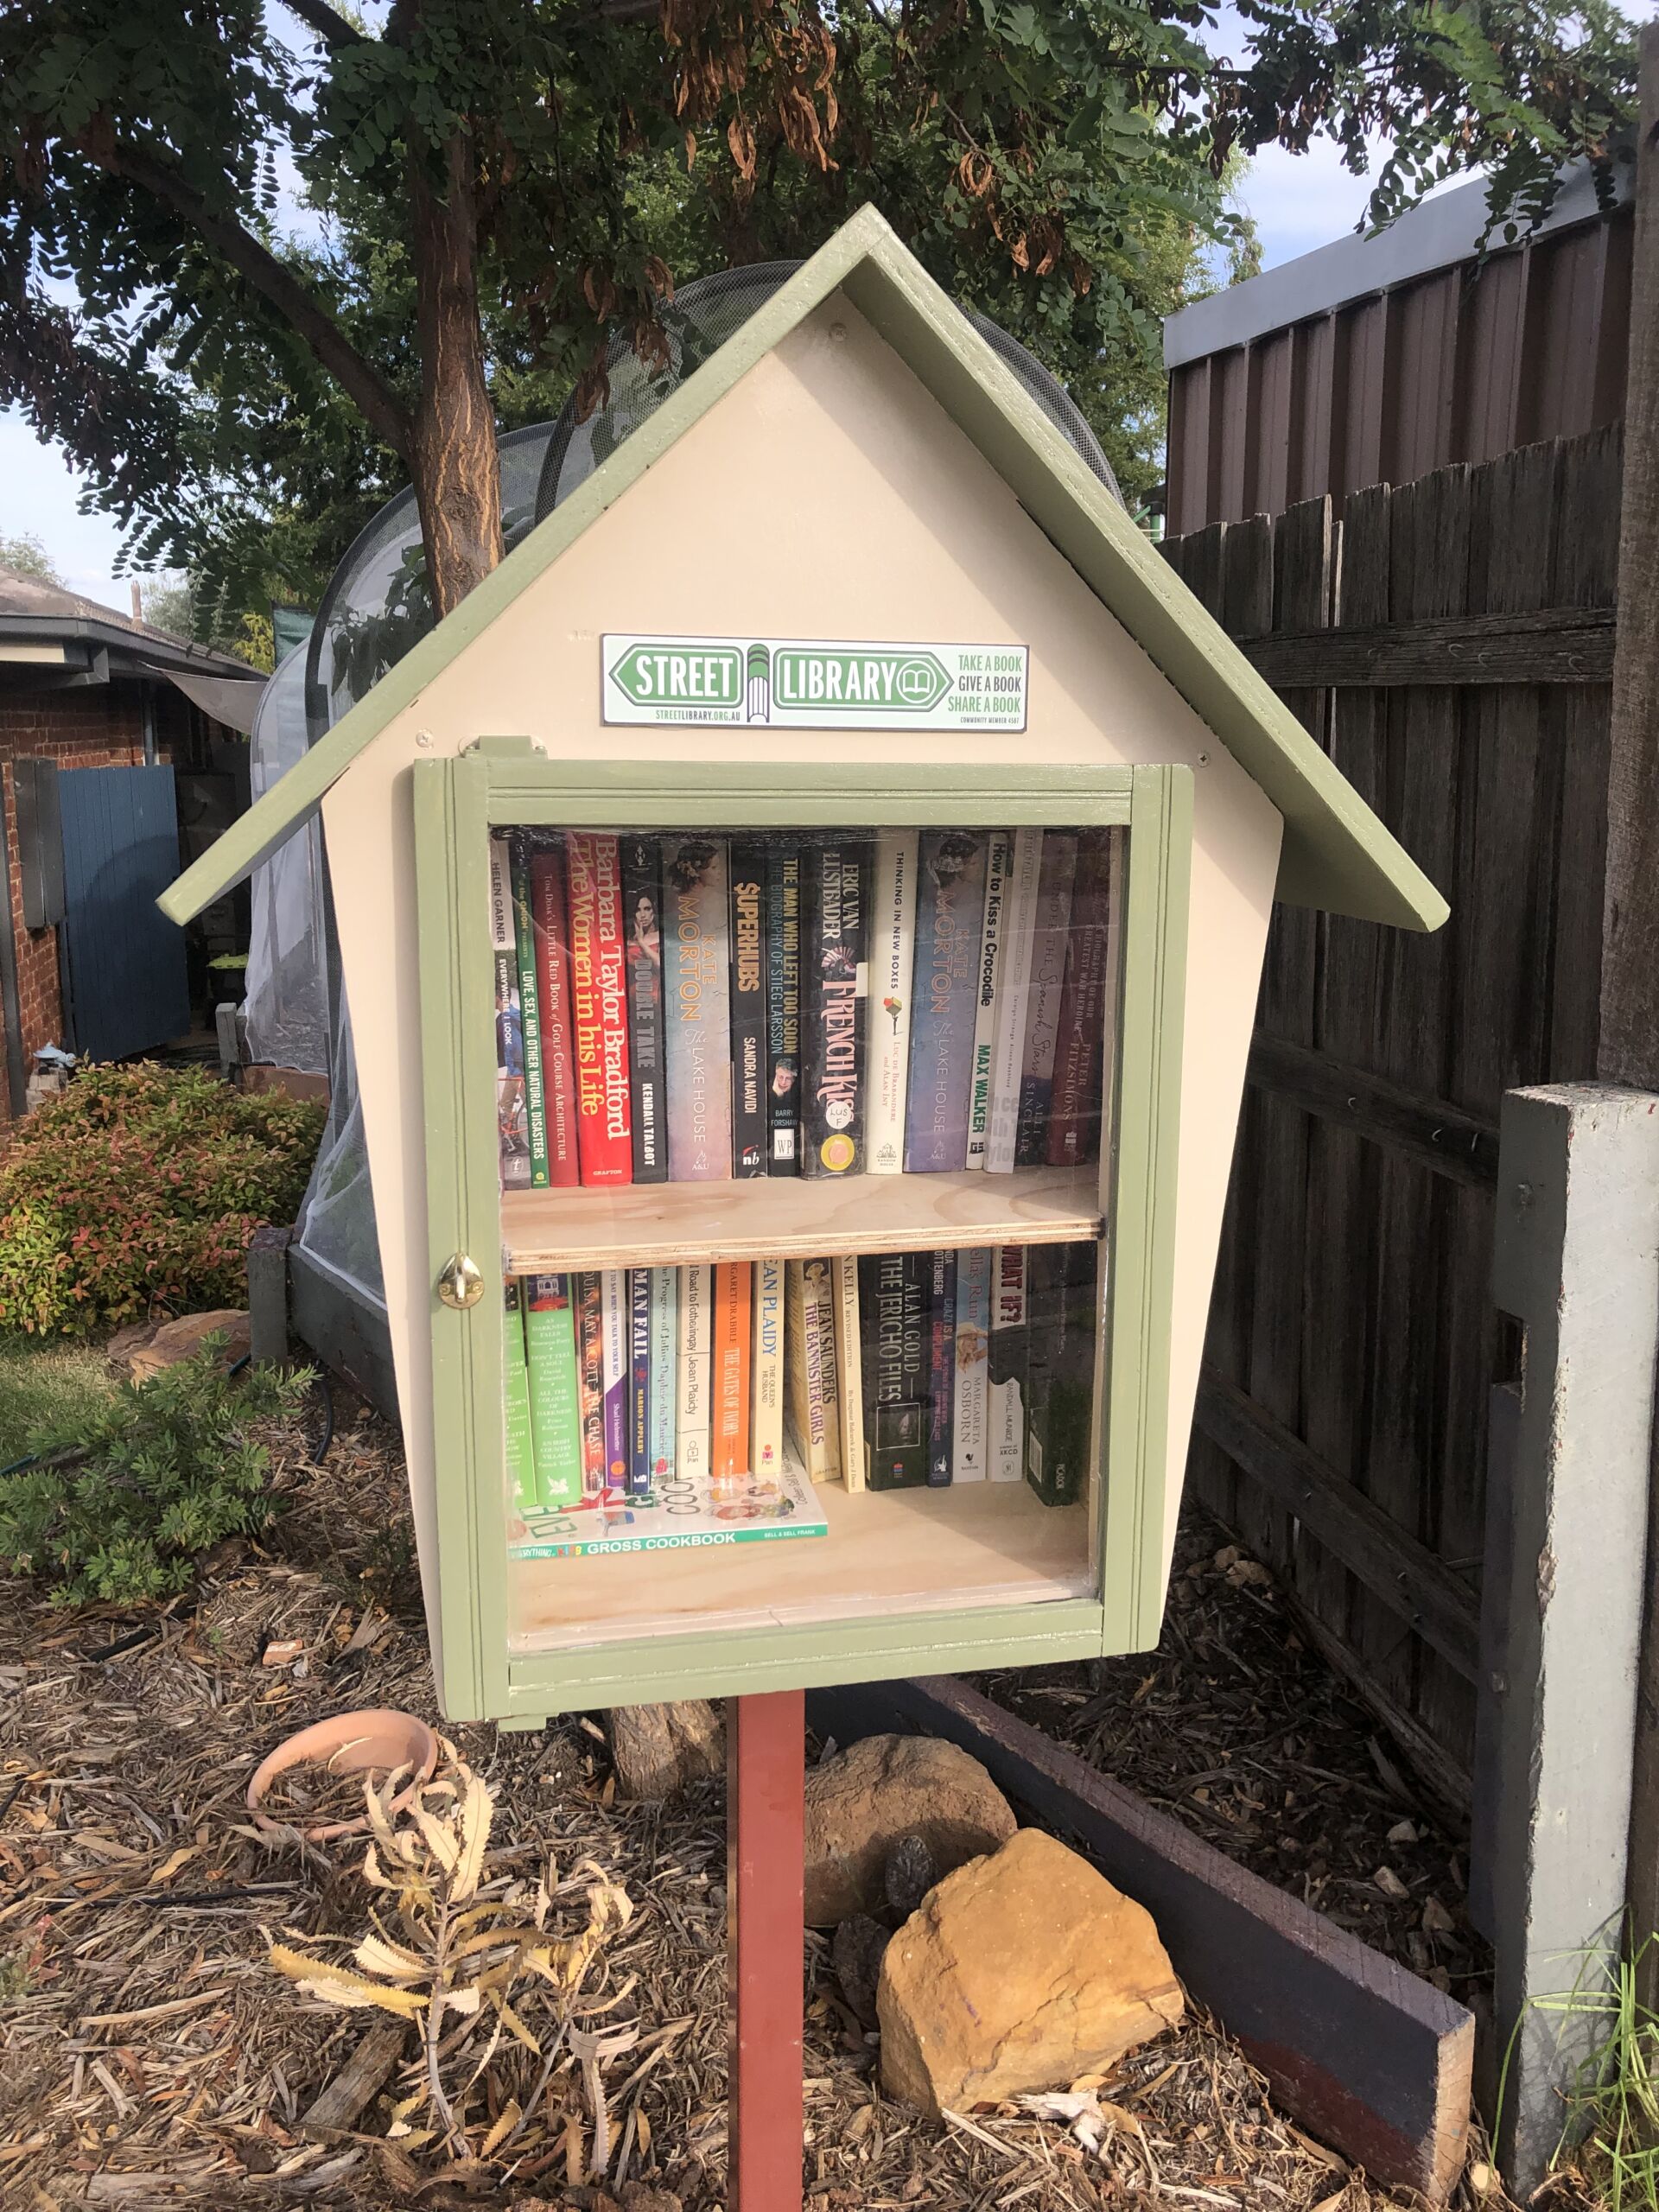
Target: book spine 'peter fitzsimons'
{"x": 642, "y": 925}
{"x": 748, "y": 1006}
{"x": 834, "y": 983}
{"x": 696, "y": 1004}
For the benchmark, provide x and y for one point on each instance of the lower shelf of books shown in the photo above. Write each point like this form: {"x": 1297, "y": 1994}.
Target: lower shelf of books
{"x": 979, "y": 1544}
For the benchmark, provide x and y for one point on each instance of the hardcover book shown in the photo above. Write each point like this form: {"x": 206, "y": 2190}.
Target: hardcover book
{"x": 697, "y": 1514}
{"x": 733, "y": 1312}
{"x": 1074, "y": 1125}
{"x": 521, "y": 1454}
{"x": 523, "y": 938}
{"x": 590, "y": 1380}
{"x": 1061, "y": 1309}
{"x": 664, "y": 1371}
{"x": 813, "y": 1414}
{"x": 892, "y": 950}
{"x": 639, "y": 1382}
{"x": 749, "y": 1014}
{"x": 849, "y": 1371}
{"x": 835, "y": 983}
{"x": 949, "y": 938}
{"x": 1048, "y": 954}
{"x": 554, "y": 1411}
{"x": 642, "y": 918}
{"x": 783, "y": 1009}
{"x": 766, "y": 1372}
{"x": 999, "y": 850}
{"x": 599, "y": 1005}
{"x": 692, "y": 1456}
{"x": 892, "y": 1307}
{"x": 968, "y": 1455}
{"x": 613, "y": 1339}
{"x": 696, "y": 999}
{"x": 942, "y": 1365}
{"x": 1006, "y": 1365}
{"x": 550, "y": 919}
{"x": 511, "y": 1125}
{"x": 1013, "y": 1000}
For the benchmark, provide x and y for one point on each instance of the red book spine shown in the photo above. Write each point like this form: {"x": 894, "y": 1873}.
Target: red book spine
{"x": 549, "y": 921}
{"x": 733, "y": 1289}
{"x": 1074, "y": 1113}
{"x": 599, "y": 1008}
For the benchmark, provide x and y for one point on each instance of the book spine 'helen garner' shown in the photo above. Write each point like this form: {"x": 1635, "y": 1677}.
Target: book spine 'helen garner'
{"x": 767, "y": 1371}
{"x": 1006, "y": 1365}
{"x": 892, "y": 1307}
{"x": 693, "y": 1458}
{"x": 642, "y": 923}
{"x": 734, "y": 1306}
{"x": 523, "y": 938}
{"x": 942, "y": 1365}
{"x": 783, "y": 1010}
{"x": 590, "y": 1380}
{"x": 1048, "y": 956}
{"x": 599, "y": 1001}
{"x": 550, "y": 919}
{"x": 950, "y": 936}
{"x": 697, "y": 1007}
{"x": 521, "y": 1456}
{"x": 849, "y": 1371}
{"x": 1013, "y": 1000}
{"x": 892, "y": 948}
{"x": 968, "y": 1438}
{"x": 1080, "y": 1065}
{"x": 555, "y": 1408}
{"x": 834, "y": 983}
{"x": 664, "y": 1371}
{"x": 749, "y": 1014}
{"x": 998, "y": 853}
{"x": 513, "y": 1142}
{"x": 639, "y": 1382}
{"x": 613, "y": 1283}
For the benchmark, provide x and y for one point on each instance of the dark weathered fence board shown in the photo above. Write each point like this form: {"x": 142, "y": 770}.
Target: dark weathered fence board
{"x": 1557, "y": 644}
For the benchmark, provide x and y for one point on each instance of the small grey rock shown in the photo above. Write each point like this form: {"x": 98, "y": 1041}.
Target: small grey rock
{"x": 856, "y": 1952}
{"x": 908, "y": 1876}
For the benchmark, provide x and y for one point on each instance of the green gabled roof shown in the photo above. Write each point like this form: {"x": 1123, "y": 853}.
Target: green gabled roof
{"x": 1337, "y": 853}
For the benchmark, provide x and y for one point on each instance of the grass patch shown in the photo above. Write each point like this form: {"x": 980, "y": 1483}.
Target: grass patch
{"x": 47, "y": 1381}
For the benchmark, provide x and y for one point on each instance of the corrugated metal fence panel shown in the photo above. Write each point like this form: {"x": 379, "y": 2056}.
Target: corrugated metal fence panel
{"x": 1458, "y": 365}
{"x": 123, "y": 963}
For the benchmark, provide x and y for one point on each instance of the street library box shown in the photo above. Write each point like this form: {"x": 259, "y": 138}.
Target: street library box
{"x": 801, "y": 920}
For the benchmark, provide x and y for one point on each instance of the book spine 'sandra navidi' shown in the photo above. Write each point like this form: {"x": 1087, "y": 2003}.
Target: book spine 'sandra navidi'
{"x": 811, "y": 1415}
{"x": 835, "y": 982}
{"x": 949, "y": 935}
{"x": 549, "y": 917}
{"x": 598, "y": 1002}
{"x": 888, "y": 1010}
{"x": 998, "y": 853}
{"x": 766, "y": 1372}
{"x": 783, "y": 1009}
{"x": 529, "y": 1011}
{"x": 969, "y": 1458}
{"x": 693, "y": 1457}
{"x": 521, "y": 1455}
{"x": 1013, "y": 1000}
{"x": 892, "y": 1301}
{"x": 942, "y": 1365}
{"x": 512, "y": 1139}
{"x": 664, "y": 1371}
{"x": 1048, "y": 957}
{"x": 642, "y": 923}
{"x": 1006, "y": 1365}
{"x": 639, "y": 1382}
{"x": 733, "y": 1312}
{"x": 590, "y": 1380}
{"x": 613, "y": 1315}
{"x": 696, "y": 1005}
{"x": 1074, "y": 1126}
{"x": 749, "y": 1014}
{"x": 849, "y": 1371}
{"x": 554, "y": 1411}
{"x": 1061, "y": 1376}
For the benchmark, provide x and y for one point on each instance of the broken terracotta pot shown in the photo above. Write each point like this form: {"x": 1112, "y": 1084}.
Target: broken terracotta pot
{"x": 377, "y": 1741}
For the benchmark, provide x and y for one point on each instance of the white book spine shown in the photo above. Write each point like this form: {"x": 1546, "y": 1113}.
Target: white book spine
{"x": 849, "y": 1374}
{"x": 823, "y": 1301}
{"x": 893, "y": 958}
{"x": 998, "y": 854}
{"x": 697, "y": 1346}
{"x": 970, "y": 1435}
{"x": 767, "y": 1370}
{"x": 1013, "y": 999}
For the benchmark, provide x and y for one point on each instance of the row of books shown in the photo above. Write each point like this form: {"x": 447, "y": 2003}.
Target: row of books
{"x": 694, "y": 1399}
{"x": 690, "y": 1008}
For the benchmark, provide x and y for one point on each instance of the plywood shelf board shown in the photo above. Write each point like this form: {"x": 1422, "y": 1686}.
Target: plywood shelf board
{"x": 669, "y": 1224}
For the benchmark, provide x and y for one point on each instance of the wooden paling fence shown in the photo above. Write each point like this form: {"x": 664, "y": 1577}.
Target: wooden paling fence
{"x": 1450, "y": 643}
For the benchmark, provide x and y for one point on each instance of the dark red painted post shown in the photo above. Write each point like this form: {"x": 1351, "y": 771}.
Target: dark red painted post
{"x": 764, "y": 1845}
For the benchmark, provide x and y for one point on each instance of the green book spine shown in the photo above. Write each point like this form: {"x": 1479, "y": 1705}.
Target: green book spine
{"x": 521, "y": 1456}
{"x": 530, "y": 1004}
{"x": 555, "y": 1418}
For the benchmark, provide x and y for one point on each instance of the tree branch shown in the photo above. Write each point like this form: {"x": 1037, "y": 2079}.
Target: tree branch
{"x": 332, "y": 29}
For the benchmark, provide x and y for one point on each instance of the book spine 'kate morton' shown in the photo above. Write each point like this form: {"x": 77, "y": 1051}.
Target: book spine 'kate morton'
{"x": 783, "y": 1010}
{"x": 512, "y": 1143}
{"x": 767, "y": 1371}
{"x": 949, "y": 935}
{"x": 523, "y": 935}
{"x": 749, "y": 1014}
{"x": 892, "y": 948}
{"x": 613, "y": 1283}
{"x": 599, "y": 1001}
{"x": 967, "y": 1440}
{"x": 642, "y": 925}
{"x": 998, "y": 853}
{"x": 1047, "y": 988}
{"x": 639, "y": 1382}
{"x": 590, "y": 1380}
{"x": 693, "y": 1458}
{"x": 835, "y": 983}
{"x": 733, "y": 1307}
{"x": 849, "y": 1371}
{"x": 664, "y": 1371}
{"x": 1079, "y": 1066}
{"x": 942, "y": 1363}
{"x": 554, "y": 1411}
{"x": 550, "y": 921}
{"x": 696, "y": 1006}
{"x": 1013, "y": 1000}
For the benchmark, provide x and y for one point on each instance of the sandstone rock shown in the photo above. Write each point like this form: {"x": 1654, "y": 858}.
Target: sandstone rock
{"x": 864, "y": 1800}
{"x": 182, "y": 1339}
{"x": 1021, "y": 1971}
{"x": 657, "y": 1750}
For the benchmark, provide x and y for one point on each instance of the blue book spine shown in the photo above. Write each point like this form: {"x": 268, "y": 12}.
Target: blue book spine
{"x": 639, "y": 1382}
{"x": 941, "y": 1366}
{"x": 950, "y": 937}
{"x": 664, "y": 1371}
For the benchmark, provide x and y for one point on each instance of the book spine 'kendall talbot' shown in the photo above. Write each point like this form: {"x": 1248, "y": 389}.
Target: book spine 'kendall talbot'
{"x": 942, "y": 1365}
{"x": 642, "y": 924}
{"x": 664, "y": 1371}
{"x": 696, "y": 1004}
{"x": 749, "y": 1014}
{"x": 693, "y": 1437}
{"x": 783, "y": 1010}
{"x": 1048, "y": 954}
{"x": 590, "y": 1380}
{"x": 892, "y": 947}
{"x": 766, "y": 1373}
{"x": 734, "y": 1306}
{"x": 512, "y": 1138}
{"x": 639, "y": 1281}
{"x": 998, "y": 853}
{"x": 950, "y": 936}
{"x": 523, "y": 935}
{"x": 555, "y": 1411}
{"x": 598, "y": 1000}
{"x": 892, "y": 1301}
{"x": 1074, "y": 1125}
{"x": 835, "y": 983}
{"x": 549, "y": 917}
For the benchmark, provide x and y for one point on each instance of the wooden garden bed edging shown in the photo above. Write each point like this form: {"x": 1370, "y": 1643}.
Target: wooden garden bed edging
{"x": 1375, "y": 2061}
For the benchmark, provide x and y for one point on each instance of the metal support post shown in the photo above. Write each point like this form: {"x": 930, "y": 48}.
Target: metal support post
{"x": 766, "y": 1844}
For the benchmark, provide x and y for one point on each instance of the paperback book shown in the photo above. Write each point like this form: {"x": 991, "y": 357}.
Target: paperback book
{"x": 512, "y": 1136}
{"x": 893, "y": 1301}
{"x": 664, "y": 1371}
{"x": 892, "y": 950}
{"x": 549, "y": 921}
{"x": 1013, "y": 1000}
{"x": 639, "y": 1468}
{"x": 835, "y": 983}
{"x": 749, "y": 1014}
{"x": 729, "y": 1407}
{"x": 968, "y": 1457}
{"x": 613, "y": 1340}
{"x": 1061, "y": 1371}
{"x": 813, "y": 1412}
{"x": 942, "y": 1365}
{"x": 1074, "y": 1127}
{"x": 642, "y": 912}
{"x": 696, "y": 998}
{"x": 599, "y": 1003}
{"x": 950, "y": 939}
{"x": 694, "y": 1513}
{"x": 692, "y": 1456}
{"x": 1006, "y": 1353}
{"x": 521, "y": 1456}
{"x": 1048, "y": 961}
{"x": 998, "y": 853}
{"x": 849, "y": 1371}
{"x": 523, "y": 935}
{"x": 555, "y": 1407}
{"x": 767, "y": 1371}
{"x": 590, "y": 1380}
{"x": 783, "y": 1009}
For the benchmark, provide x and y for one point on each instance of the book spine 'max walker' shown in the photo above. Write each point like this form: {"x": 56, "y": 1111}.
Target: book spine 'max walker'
{"x": 970, "y": 1458}
{"x": 812, "y": 1412}
{"x": 613, "y": 1338}
{"x": 639, "y": 1382}
{"x": 949, "y": 937}
{"x": 521, "y": 1452}
{"x": 730, "y": 1396}
{"x": 550, "y": 919}
{"x": 523, "y": 938}
{"x": 748, "y": 1010}
{"x": 783, "y": 1010}
{"x": 555, "y": 1407}
{"x": 697, "y": 1003}
{"x": 998, "y": 853}
{"x": 693, "y": 1457}
{"x": 892, "y": 948}
{"x": 1061, "y": 1385}
{"x": 642, "y": 924}
{"x": 664, "y": 1371}
{"x": 511, "y": 1137}
{"x": 766, "y": 1372}
{"x": 849, "y": 1371}
{"x": 590, "y": 1380}
{"x": 1013, "y": 1000}
{"x": 598, "y": 1002}
{"x": 942, "y": 1365}
{"x": 1048, "y": 961}
{"x": 892, "y": 1303}
{"x": 1074, "y": 1126}
{"x": 1005, "y": 1368}
{"x": 835, "y": 983}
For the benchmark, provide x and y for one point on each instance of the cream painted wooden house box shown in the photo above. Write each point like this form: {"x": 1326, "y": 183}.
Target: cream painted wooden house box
{"x": 847, "y": 583}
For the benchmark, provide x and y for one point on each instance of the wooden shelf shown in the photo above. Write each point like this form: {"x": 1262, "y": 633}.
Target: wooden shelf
{"x": 669, "y": 1224}
{"x": 908, "y": 1550}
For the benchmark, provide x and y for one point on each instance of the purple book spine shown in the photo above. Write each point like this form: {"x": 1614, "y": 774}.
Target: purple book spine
{"x": 614, "y": 1326}
{"x": 949, "y": 934}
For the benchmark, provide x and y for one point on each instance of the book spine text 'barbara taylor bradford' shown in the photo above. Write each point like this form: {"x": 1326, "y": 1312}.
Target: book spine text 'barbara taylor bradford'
{"x": 734, "y": 1310}
{"x": 693, "y": 1458}
{"x": 512, "y": 1140}
{"x": 523, "y": 935}
{"x": 642, "y": 925}
{"x": 1013, "y": 999}
{"x": 998, "y": 853}
{"x": 599, "y": 1001}
{"x": 783, "y": 1009}
{"x": 835, "y": 980}
{"x": 748, "y": 1013}
{"x": 892, "y": 945}
{"x": 696, "y": 1006}
{"x": 555, "y": 1408}
{"x": 550, "y": 919}
{"x": 767, "y": 1371}
{"x": 949, "y": 935}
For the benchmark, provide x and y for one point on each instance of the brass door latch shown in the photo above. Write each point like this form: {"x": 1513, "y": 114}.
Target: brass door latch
{"x": 460, "y": 1283}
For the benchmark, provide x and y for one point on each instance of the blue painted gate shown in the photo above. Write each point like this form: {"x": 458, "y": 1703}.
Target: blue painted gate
{"x": 123, "y": 963}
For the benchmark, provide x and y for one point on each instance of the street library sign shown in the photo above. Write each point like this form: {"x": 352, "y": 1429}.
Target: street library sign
{"x": 806, "y": 683}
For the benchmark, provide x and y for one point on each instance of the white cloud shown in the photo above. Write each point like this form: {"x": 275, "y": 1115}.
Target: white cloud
{"x": 38, "y": 493}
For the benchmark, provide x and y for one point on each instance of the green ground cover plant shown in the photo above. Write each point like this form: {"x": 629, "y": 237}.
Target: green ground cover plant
{"x": 138, "y": 1189}
{"x": 61, "y": 1381}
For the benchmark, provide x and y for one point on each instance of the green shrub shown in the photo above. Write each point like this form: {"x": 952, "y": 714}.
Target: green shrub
{"x": 140, "y": 1187}
{"x": 130, "y": 1494}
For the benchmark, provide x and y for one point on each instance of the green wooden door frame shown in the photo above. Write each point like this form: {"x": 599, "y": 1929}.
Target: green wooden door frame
{"x": 507, "y": 782}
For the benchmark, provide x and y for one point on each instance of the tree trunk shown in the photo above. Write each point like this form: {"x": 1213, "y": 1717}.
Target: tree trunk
{"x": 456, "y": 471}
{"x": 657, "y": 1750}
